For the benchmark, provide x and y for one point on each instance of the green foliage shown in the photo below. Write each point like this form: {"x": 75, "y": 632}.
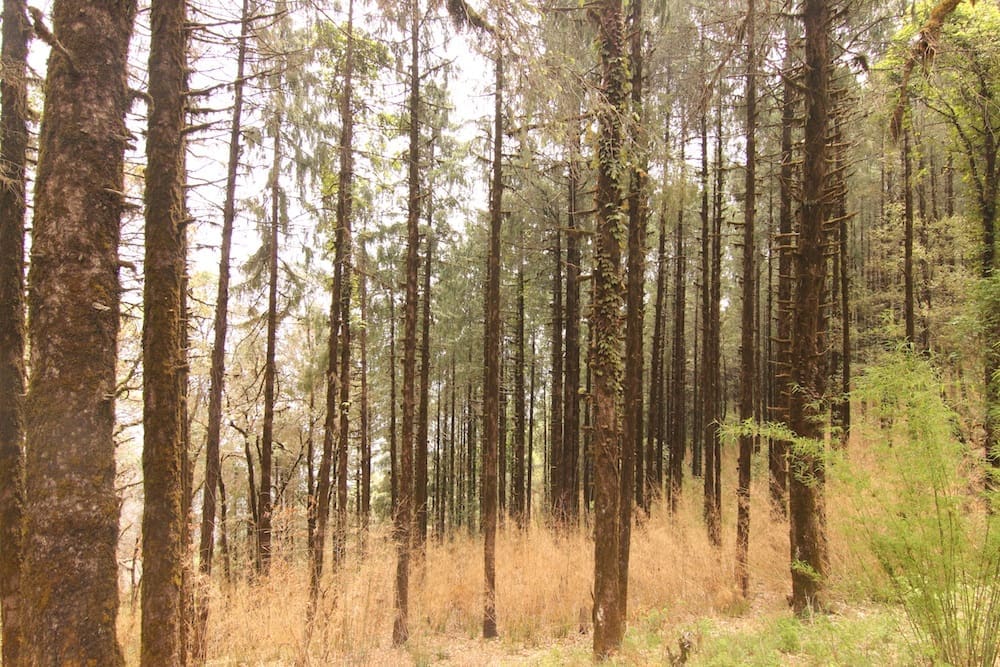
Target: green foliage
{"x": 870, "y": 637}
{"x": 917, "y": 513}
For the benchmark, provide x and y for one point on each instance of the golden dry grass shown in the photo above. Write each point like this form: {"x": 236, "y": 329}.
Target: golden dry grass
{"x": 544, "y": 583}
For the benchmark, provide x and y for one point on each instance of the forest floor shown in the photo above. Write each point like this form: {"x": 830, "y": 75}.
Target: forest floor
{"x": 684, "y": 605}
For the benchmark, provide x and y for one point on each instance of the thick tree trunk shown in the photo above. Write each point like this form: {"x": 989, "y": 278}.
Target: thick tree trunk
{"x": 164, "y": 520}
{"x": 71, "y": 509}
{"x": 13, "y": 151}
{"x": 606, "y": 323}
{"x": 491, "y": 354}
{"x": 747, "y": 350}
{"x": 403, "y": 519}
{"x": 217, "y": 373}
{"x": 809, "y": 559}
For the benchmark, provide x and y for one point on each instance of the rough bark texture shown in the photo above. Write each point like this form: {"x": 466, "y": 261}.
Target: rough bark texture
{"x": 491, "y": 355}
{"x": 217, "y": 373}
{"x": 71, "y": 513}
{"x": 403, "y": 519}
{"x": 778, "y": 449}
{"x": 635, "y": 307}
{"x": 164, "y": 520}
{"x": 606, "y": 323}
{"x": 13, "y": 148}
{"x": 344, "y": 214}
{"x": 747, "y": 351}
{"x": 809, "y": 559}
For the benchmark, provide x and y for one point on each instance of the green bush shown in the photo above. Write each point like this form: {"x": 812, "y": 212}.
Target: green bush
{"x": 922, "y": 513}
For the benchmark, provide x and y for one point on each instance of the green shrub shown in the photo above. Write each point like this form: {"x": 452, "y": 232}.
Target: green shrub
{"x": 922, "y": 514}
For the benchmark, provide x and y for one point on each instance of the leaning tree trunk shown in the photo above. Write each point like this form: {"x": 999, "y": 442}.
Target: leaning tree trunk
{"x": 606, "y": 323}
{"x": 13, "y": 151}
{"x": 164, "y": 521}
{"x": 809, "y": 559}
{"x": 71, "y": 513}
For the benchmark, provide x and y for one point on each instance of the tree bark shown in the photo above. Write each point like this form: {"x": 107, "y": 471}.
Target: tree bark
{"x": 606, "y": 323}
{"x": 747, "y": 350}
{"x": 423, "y": 443}
{"x": 403, "y": 520}
{"x": 164, "y": 520}
{"x": 264, "y": 499}
{"x": 517, "y": 477}
{"x": 491, "y": 357}
{"x": 13, "y": 157}
{"x": 570, "y": 489}
{"x": 678, "y": 430}
{"x": 809, "y": 558}
{"x": 631, "y": 446}
{"x": 71, "y": 509}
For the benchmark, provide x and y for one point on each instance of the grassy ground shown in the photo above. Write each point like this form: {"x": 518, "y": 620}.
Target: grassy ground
{"x": 683, "y": 604}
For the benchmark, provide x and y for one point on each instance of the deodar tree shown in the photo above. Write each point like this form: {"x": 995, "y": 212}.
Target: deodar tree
{"x": 71, "y": 509}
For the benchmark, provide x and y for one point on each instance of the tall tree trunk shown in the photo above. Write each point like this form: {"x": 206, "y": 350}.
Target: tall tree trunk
{"x": 264, "y": 500}
{"x": 345, "y": 213}
{"x": 529, "y": 473}
{"x": 655, "y": 410}
{"x": 365, "y": 417}
{"x": 631, "y": 447}
{"x": 908, "y": 314}
{"x": 491, "y": 354}
{"x": 71, "y": 508}
{"x": 217, "y": 373}
{"x": 714, "y": 437}
{"x": 747, "y": 349}
{"x": 678, "y": 389}
{"x": 422, "y": 445}
{"x": 393, "y": 445}
{"x": 517, "y": 493}
{"x": 809, "y": 559}
{"x": 702, "y": 441}
{"x": 13, "y": 152}
{"x": 403, "y": 520}
{"x": 556, "y": 465}
{"x": 606, "y": 323}
{"x": 164, "y": 521}
{"x": 778, "y": 449}
{"x": 570, "y": 490}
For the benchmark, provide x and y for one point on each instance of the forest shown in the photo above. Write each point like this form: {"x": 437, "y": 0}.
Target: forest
{"x": 484, "y": 332}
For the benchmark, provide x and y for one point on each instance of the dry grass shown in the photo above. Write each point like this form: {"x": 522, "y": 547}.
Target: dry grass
{"x": 544, "y": 580}
{"x": 544, "y": 583}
